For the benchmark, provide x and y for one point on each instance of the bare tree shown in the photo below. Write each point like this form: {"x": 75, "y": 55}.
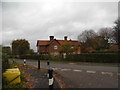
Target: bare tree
{"x": 97, "y": 41}
{"x": 107, "y": 34}
{"x": 86, "y": 38}
{"x": 117, "y": 31}
{"x": 86, "y": 35}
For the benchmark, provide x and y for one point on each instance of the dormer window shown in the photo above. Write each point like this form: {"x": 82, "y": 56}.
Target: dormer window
{"x": 55, "y": 47}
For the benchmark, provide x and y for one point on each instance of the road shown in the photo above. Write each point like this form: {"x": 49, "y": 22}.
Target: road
{"x": 83, "y": 76}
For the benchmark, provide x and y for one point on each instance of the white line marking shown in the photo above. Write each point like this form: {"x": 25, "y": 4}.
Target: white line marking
{"x": 109, "y": 73}
{"x": 91, "y": 71}
{"x": 56, "y": 68}
{"x": 77, "y": 70}
{"x": 65, "y": 69}
{"x": 72, "y": 63}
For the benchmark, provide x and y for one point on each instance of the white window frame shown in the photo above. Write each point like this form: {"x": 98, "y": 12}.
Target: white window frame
{"x": 55, "y": 47}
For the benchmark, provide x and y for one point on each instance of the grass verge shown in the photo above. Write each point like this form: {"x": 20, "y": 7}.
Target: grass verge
{"x": 21, "y": 85}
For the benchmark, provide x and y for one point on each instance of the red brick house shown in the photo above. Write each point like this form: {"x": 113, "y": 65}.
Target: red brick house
{"x": 114, "y": 47}
{"x": 53, "y": 46}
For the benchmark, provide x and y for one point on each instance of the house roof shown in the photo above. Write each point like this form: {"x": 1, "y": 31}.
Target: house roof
{"x": 90, "y": 49}
{"x": 45, "y": 42}
{"x": 115, "y": 47}
{"x": 69, "y": 41}
{"x": 41, "y": 42}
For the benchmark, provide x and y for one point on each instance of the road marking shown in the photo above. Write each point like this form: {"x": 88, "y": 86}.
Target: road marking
{"x": 56, "y": 68}
{"x": 72, "y": 63}
{"x": 77, "y": 70}
{"x": 108, "y": 73}
{"x": 65, "y": 69}
{"x": 91, "y": 71}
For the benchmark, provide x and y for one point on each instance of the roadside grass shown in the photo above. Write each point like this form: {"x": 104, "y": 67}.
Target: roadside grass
{"x": 13, "y": 87}
{"x": 19, "y": 86}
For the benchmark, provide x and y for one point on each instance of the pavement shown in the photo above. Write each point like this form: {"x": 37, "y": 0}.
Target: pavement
{"x": 35, "y": 78}
{"x": 83, "y": 76}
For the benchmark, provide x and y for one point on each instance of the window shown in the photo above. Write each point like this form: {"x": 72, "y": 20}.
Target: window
{"x": 55, "y": 47}
{"x": 56, "y": 54}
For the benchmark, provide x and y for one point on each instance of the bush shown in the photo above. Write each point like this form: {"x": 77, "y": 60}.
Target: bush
{"x": 105, "y": 51}
{"x": 35, "y": 57}
{"x": 94, "y": 57}
{"x": 5, "y": 62}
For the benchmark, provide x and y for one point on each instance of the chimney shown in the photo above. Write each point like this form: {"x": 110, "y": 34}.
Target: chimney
{"x": 65, "y": 38}
{"x": 51, "y": 37}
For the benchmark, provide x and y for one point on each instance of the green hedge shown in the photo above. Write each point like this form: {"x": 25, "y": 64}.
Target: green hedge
{"x": 5, "y": 62}
{"x": 105, "y": 51}
{"x": 95, "y": 57}
{"x": 35, "y": 57}
{"x": 88, "y": 57}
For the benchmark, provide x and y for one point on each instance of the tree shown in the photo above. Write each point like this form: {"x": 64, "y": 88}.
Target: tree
{"x": 116, "y": 32}
{"x": 91, "y": 39}
{"x": 107, "y": 34}
{"x": 68, "y": 48}
{"x": 20, "y": 47}
{"x": 99, "y": 42}
{"x": 30, "y": 52}
{"x": 86, "y": 35}
{"x": 6, "y": 49}
{"x": 86, "y": 38}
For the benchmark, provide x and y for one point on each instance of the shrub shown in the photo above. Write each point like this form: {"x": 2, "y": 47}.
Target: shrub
{"x": 94, "y": 57}
{"x": 35, "y": 57}
{"x": 5, "y": 62}
{"x": 105, "y": 51}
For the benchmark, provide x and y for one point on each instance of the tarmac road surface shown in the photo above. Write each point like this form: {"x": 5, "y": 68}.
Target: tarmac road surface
{"x": 83, "y": 76}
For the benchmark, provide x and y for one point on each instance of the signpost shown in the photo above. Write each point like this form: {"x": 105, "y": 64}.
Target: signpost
{"x": 38, "y": 63}
{"x": 24, "y": 62}
{"x": 50, "y": 76}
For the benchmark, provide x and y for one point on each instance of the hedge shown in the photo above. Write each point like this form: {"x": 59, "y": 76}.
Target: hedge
{"x": 35, "y": 57}
{"x": 5, "y": 62}
{"x": 95, "y": 57}
{"x": 88, "y": 57}
{"x": 103, "y": 51}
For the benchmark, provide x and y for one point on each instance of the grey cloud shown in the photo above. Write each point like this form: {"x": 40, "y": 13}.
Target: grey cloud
{"x": 34, "y": 21}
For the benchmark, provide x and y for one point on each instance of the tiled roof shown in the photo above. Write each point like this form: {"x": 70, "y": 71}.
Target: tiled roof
{"x": 114, "y": 47}
{"x": 90, "y": 49}
{"x": 69, "y": 41}
{"x": 43, "y": 42}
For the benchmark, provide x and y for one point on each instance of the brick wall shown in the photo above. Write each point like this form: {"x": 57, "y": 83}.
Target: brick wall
{"x": 52, "y": 49}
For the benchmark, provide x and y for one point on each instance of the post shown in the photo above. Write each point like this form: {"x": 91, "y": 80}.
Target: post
{"x": 50, "y": 76}
{"x": 13, "y": 61}
{"x": 24, "y": 62}
{"x": 38, "y": 63}
{"x": 64, "y": 55}
{"x": 48, "y": 65}
{"x": 51, "y": 80}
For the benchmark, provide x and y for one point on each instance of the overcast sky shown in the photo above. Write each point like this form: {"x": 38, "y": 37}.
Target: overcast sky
{"x": 38, "y": 20}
